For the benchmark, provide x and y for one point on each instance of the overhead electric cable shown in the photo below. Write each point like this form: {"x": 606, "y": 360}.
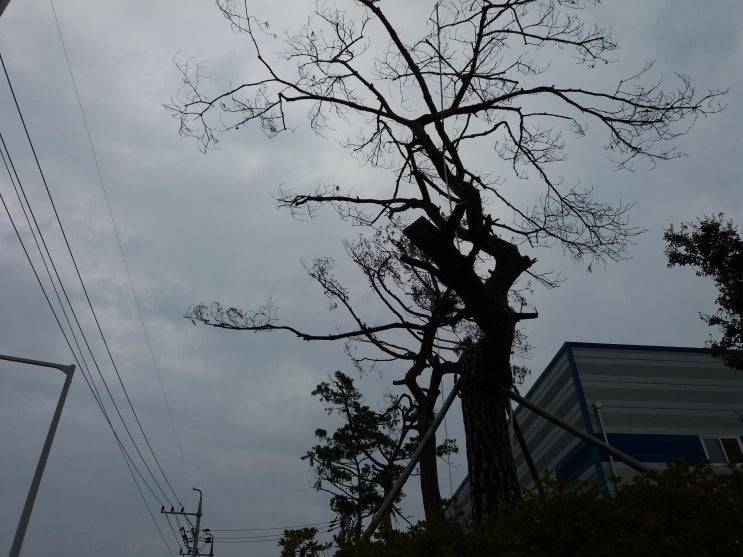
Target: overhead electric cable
{"x": 91, "y": 385}
{"x": 328, "y": 523}
{"x": 258, "y": 537}
{"x": 84, "y": 367}
{"x": 89, "y": 380}
{"x": 121, "y": 248}
{"x": 157, "y": 526}
{"x": 172, "y": 529}
{"x": 37, "y": 234}
{"x": 85, "y": 370}
{"x": 17, "y": 184}
{"x": 18, "y": 188}
{"x": 36, "y": 274}
{"x": 85, "y": 291}
{"x": 82, "y": 364}
{"x": 273, "y": 539}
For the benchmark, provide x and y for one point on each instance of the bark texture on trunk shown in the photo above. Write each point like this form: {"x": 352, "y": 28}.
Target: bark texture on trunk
{"x": 429, "y": 475}
{"x": 492, "y": 472}
{"x": 385, "y": 525}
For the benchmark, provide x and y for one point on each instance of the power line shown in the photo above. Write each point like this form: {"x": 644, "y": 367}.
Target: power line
{"x": 276, "y": 539}
{"x": 329, "y": 523}
{"x": 91, "y": 385}
{"x": 17, "y": 184}
{"x": 270, "y": 537}
{"x": 94, "y": 388}
{"x": 7, "y": 160}
{"x": 17, "y": 187}
{"x": 172, "y": 529}
{"x": 119, "y": 243}
{"x": 149, "y": 511}
{"x": 85, "y": 291}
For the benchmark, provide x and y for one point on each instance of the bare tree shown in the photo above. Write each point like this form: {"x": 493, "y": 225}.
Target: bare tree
{"x": 424, "y": 333}
{"x": 478, "y": 72}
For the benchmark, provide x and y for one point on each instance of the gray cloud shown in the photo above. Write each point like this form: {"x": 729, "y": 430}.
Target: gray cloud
{"x": 199, "y": 228}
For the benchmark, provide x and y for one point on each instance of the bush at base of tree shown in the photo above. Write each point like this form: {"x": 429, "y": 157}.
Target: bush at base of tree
{"x": 685, "y": 510}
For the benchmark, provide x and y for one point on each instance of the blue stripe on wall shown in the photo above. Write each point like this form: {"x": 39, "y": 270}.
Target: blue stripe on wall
{"x": 641, "y": 446}
{"x": 657, "y": 448}
{"x": 594, "y": 452}
{"x": 577, "y": 461}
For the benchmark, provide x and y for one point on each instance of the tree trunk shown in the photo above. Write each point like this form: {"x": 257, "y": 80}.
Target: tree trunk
{"x": 429, "y": 474}
{"x": 492, "y": 472}
{"x": 385, "y": 524}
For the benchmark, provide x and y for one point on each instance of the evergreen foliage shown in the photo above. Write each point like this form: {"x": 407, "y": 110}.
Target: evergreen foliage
{"x": 359, "y": 462}
{"x": 684, "y": 510}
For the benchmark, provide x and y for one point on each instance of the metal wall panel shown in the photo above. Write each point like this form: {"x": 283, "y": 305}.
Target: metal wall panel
{"x": 661, "y": 390}
{"x": 555, "y": 392}
{"x": 650, "y": 398}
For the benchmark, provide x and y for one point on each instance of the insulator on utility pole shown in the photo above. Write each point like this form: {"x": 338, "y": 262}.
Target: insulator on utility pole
{"x": 192, "y": 545}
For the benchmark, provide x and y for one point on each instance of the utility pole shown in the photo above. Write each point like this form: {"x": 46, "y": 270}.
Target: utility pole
{"x": 195, "y": 548}
{"x": 192, "y": 545}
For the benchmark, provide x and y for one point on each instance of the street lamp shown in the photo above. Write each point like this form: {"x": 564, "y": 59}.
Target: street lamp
{"x": 26, "y": 514}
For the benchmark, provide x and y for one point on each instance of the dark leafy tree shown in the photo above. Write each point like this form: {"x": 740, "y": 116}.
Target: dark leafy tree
{"x": 301, "y": 542}
{"x": 359, "y": 462}
{"x": 712, "y": 246}
{"x": 684, "y": 510}
{"x": 478, "y": 72}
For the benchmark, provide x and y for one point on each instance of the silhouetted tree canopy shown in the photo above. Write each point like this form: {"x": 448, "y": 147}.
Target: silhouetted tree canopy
{"x": 420, "y": 100}
{"x": 684, "y": 510}
{"x": 358, "y": 463}
{"x": 712, "y": 246}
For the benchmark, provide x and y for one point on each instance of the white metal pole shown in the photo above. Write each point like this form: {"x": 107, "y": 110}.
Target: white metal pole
{"x": 619, "y": 455}
{"x": 69, "y": 371}
{"x": 3, "y": 5}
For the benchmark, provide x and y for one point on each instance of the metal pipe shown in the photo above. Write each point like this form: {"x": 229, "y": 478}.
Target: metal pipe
{"x": 527, "y": 454}
{"x": 377, "y": 518}
{"x": 69, "y": 371}
{"x": 619, "y": 455}
{"x": 597, "y": 406}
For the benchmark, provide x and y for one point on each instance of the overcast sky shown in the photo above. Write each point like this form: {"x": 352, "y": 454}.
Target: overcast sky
{"x": 198, "y": 228}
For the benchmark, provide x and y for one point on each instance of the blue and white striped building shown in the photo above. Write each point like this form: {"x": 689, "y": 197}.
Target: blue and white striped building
{"x": 658, "y": 404}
